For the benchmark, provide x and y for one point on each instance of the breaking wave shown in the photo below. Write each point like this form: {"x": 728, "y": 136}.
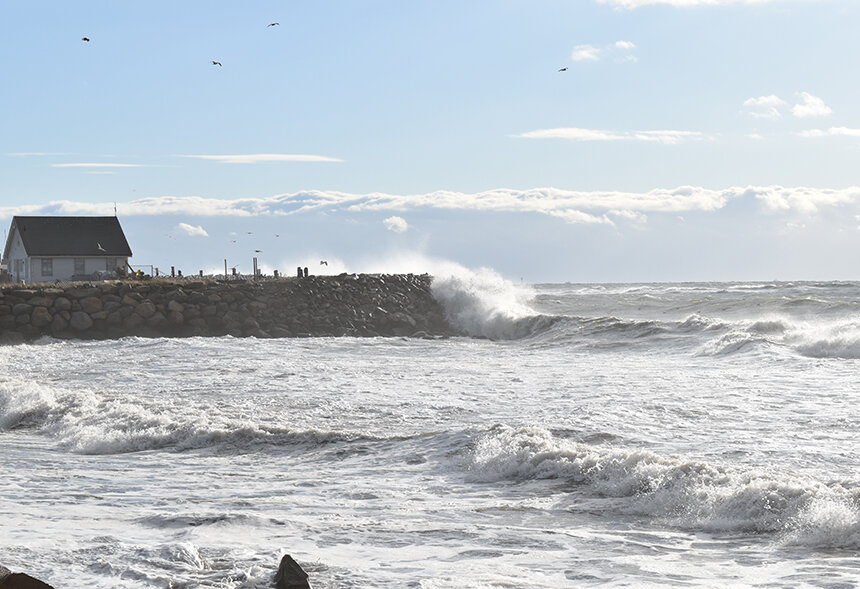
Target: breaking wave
{"x": 483, "y": 304}
{"x": 87, "y": 422}
{"x": 688, "y": 494}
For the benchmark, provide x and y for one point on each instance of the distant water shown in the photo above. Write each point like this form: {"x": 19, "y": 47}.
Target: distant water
{"x": 693, "y": 435}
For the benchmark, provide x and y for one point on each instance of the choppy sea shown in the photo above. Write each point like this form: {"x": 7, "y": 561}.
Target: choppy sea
{"x": 583, "y": 435}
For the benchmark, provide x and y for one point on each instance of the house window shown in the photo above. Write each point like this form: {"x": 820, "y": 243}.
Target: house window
{"x": 47, "y": 266}
{"x": 79, "y": 266}
{"x": 110, "y": 264}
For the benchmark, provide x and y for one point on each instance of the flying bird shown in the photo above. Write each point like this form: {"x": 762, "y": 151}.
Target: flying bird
{"x": 217, "y": 63}
{"x": 274, "y": 24}
{"x": 562, "y": 69}
{"x": 87, "y": 39}
{"x": 258, "y": 251}
{"x": 323, "y": 263}
{"x": 100, "y": 248}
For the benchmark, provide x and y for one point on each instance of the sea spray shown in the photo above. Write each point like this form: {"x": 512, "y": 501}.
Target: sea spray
{"x": 484, "y": 304}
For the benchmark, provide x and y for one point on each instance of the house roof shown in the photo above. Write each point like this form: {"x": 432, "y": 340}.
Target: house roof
{"x": 70, "y": 236}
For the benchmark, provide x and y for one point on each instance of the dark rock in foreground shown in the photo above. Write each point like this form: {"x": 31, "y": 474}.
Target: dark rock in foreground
{"x": 345, "y": 305}
{"x": 290, "y": 575}
{"x": 10, "y": 580}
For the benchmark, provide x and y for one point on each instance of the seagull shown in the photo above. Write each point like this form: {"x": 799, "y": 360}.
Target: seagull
{"x": 100, "y": 248}
{"x": 274, "y": 24}
{"x": 258, "y": 251}
{"x": 323, "y": 263}
{"x": 562, "y": 69}
{"x": 217, "y": 63}
{"x": 87, "y": 39}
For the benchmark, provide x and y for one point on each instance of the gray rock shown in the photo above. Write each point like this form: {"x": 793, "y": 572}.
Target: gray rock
{"x": 80, "y": 321}
{"x": 145, "y": 309}
{"x": 58, "y": 324}
{"x": 62, "y": 304}
{"x": 40, "y": 317}
{"x": 290, "y": 575}
{"x": 91, "y": 304}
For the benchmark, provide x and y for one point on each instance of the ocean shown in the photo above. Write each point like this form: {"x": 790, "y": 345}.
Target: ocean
{"x": 581, "y": 435}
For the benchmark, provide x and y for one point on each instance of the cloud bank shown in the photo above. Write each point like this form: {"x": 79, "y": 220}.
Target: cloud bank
{"x": 256, "y": 158}
{"x": 591, "y": 207}
{"x": 577, "y": 134}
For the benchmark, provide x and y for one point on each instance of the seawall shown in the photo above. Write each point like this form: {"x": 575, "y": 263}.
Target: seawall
{"x": 344, "y": 305}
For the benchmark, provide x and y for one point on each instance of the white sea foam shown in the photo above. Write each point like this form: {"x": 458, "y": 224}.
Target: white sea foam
{"x": 689, "y": 494}
{"x": 86, "y": 422}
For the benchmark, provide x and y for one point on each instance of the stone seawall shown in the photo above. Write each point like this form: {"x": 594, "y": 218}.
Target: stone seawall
{"x": 349, "y": 304}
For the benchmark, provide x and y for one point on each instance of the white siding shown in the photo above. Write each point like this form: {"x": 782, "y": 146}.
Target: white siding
{"x": 17, "y": 258}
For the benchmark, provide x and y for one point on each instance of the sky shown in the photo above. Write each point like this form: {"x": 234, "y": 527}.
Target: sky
{"x": 547, "y": 140}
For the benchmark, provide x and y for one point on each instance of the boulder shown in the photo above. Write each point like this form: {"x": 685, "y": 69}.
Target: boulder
{"x": 41, "y": 317}
{"x": 91, "y": 305}
{"x": 80, "y": 321}
{"x": 146, "y": 309}
{"x": 10, "y": 580}
{"x": 290, "y": 575}
{"x": 62, "y": 304}
{"x": 58, "y": 324}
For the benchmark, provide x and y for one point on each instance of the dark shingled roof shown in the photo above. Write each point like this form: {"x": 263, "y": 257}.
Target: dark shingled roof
{"x": 72, "y": 236}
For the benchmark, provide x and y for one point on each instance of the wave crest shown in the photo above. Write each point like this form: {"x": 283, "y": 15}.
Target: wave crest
{"x": 86, "y": 422}
{"x": 689, "y": 494}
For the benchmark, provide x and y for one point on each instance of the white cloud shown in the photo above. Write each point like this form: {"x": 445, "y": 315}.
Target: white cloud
{"x": 192, "y": 230}
{"x": 396, "y": 224}
{"x": 630, "y": 4}
{"x": 811, "y": 106}
{"x": 755, "y": 137}
{"x": 255, "y": 158}
{"x": 96, "y": 165}
{"x": 585, "y": 53}
{"x": 765, "y": 107}
{"x": 592, "y": 53}
{"x": 577, "y": 134}
{"x": 831, "y": 132}
{"x": 572, "y": 206}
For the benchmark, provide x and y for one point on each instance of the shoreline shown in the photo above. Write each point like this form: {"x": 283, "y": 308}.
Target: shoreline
{"x": 358, "y": 305}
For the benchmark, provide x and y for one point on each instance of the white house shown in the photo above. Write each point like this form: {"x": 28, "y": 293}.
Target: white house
{"x": 45, "y": 249}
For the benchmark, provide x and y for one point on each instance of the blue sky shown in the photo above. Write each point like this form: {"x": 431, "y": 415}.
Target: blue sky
{"x": 686, "y": 140}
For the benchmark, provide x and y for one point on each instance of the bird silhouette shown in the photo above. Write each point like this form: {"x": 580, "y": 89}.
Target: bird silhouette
{"x": 277, "y": 234}
{"x": 258, "y": 251}
{"x": 217, "y": 63}
{"x": 274, "y": 24}
{"x": 562, "y": 69}
{"x": 323, "y": 263}
{"x": 87, "y": 39}
{"x": 100, "y": 248}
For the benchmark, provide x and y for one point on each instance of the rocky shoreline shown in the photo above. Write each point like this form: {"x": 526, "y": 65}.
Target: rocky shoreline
{"x": 346, "y": 305}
